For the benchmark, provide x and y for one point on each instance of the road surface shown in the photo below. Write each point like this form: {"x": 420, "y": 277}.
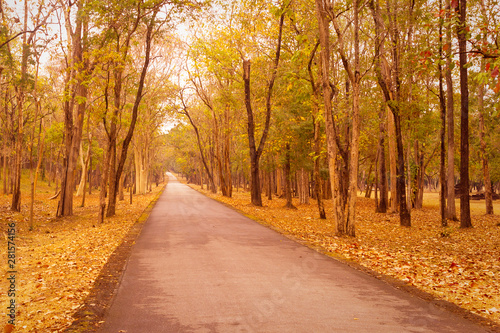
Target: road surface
{"x": 199, "y": 266}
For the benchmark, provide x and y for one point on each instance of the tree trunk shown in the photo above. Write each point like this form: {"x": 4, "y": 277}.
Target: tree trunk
{"x": 121, "y": 195}
{"x": 226, "y": 155}
{"x": 392, "y": 161}
{"x": 288, "y": 189}
{"x": 85, "y": 167}
{"x": 87, "y": 176}
{"x": 382, "y": 205}
{"x": 390, "y": 85}
{"x": 256, "y": 152}
{"x": 16, "y": 192}
{"x": 317, "y": 176}
{"x": 74, "y": 122}
{"x": 488, "y": 195}
{"x": 369, "y": 182}
{"x": 451, "y": 209}
{"x": 345, "y": 219}
{"x": 328, "y": 93}
{"x": 104, "y": 183}
{"x": 254, "y": 157}
{"x": 303, "y": 186}
{"x": 442, "y": 131}
{"x": 270, "y": 186}
{"x": 484, "y": 155}
{"x": 16, "y": 188}
{"x": 5, "y": 174}
{"x": 465, "y": 220}
{"x": 140, "y": 87}
{"x": 317, "y": 137}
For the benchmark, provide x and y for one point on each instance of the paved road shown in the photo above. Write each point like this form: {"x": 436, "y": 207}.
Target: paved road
{"x": 199, "y": 266}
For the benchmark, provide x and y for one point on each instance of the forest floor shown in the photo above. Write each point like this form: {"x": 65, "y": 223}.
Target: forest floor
{"x": 452, "y": 264}
{"x": 58, "y": 262}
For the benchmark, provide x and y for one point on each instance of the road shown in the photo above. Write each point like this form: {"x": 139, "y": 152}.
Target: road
{"x": 199, "y": 266}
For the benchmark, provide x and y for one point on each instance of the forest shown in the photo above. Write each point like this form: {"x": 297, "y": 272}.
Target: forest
{"x": 292, "y": 99}
{"x": 325, "y": 99}
{"x": 339, "y": 118}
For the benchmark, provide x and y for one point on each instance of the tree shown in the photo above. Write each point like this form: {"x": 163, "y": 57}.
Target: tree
{"x": 256, "y": 151}
{"x": 391, "y": 89}
{"x": 75, "y": 102}
{"x": 317, "y": 134}
{"x": 484, "y": 155}
{"x": 185, "y": 111}
{"x": 465, "y": 220}
{"x": 442, "y": 105}
{"x": 150, "y": 23}
{"x": 450, "y": 119}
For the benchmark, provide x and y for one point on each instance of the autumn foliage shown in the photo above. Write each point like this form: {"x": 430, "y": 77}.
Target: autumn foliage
{"x": 59, "y": 261}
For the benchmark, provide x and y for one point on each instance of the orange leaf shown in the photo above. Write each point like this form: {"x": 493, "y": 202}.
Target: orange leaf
{"x": 8, "y": 328}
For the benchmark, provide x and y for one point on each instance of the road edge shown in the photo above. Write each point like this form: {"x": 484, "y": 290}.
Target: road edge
{"x": 89, "y": 316}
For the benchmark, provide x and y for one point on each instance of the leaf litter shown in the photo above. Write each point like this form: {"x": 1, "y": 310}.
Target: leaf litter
{"x": 58, "y": 262}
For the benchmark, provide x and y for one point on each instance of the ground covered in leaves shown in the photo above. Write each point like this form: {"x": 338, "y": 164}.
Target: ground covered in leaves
{"x": 58, "y": 262}
{"x": 452, "y": 264}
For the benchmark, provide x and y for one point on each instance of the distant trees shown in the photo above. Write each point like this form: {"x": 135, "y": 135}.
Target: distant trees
{"x": 308, "y": 99}
{"x": 407, "y": 93}
{"x": 98, "y": 69}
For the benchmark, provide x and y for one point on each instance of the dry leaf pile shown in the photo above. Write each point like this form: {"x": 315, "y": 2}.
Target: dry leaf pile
{"x": 59, "y": 261}
{"x": 460, "y": 266}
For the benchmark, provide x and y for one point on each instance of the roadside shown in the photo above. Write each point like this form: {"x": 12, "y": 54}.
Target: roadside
{"x": 450, "y": 265}
{"x": 61, "y": 260}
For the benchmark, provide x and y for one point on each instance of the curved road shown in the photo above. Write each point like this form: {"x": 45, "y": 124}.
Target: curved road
{"x": 199, "y": 266}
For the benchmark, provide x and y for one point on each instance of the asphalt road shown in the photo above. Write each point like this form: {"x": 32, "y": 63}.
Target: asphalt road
{"x": 199, "y": 266}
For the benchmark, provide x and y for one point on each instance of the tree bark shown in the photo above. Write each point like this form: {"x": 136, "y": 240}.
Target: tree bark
{"x": 339, "y": 201}
{"x": 85, "y": 166}
{"x": 73, "y": 123}
{"x": 390, "y": 85}
{"x": 104, "y": 182}
{"x": 140, "y": 87}
{"x": 392, "y": 161}
{"x": 384, "y": 196}
{"x": 450, "y": 200}
{"x": 442, "y": 131}
{"x": 256, "y": 152}
{"x": 484, "y": 154}
{"x": 317, "y": 136}
{"x": 255, "y": 194}
{"x": 288, "y": 188}
{"x": 213, "y": 187}
{"x": 465, "y": 220}
{"x": 87, "y": 176}
{"x": 16, "y": 192}
{"x": 488, "y": 192}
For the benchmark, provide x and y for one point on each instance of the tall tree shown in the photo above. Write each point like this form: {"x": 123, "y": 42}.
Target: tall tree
{"x": 382, "y": 204}
{"x": 151, "y": 24}
{"x": 346, "y": 225}
{"x": 482, "y": 128}
{"x": 76, "y": 92}
{"x": 317, "y": 134}
{"x": 124, "y": 23}
{"x": 391, "y": 89}
{"x": 28, "y": 38}
{"x": 450, "y": 118}
{"x": 442, "y": 107}
{"x": 465, "y": 220}
{"x": 338, "y": 156}
{"x": 256, "y": 151}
